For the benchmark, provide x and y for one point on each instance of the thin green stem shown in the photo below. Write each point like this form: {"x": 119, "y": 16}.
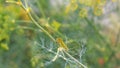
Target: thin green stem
{"x": 74, "y": 59}
{"x": 24, "y": 21}
{"x": 30, "y": 16}
{"x": 116, "y": 44}
{"x": 97, "y": 33}
{"x": 40, "y": 9}
{"x": 43, "y": 14}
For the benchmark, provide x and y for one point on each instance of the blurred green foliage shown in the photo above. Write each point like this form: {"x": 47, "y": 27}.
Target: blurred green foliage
{"x": 7, "y": 25}
{"x": 14, "y": 51}
{"x": 78, "y": 23}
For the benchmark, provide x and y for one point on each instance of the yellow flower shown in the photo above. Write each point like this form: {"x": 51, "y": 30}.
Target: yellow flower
{"x": 34, "y": 61}
{"x": 98, "y": 11}
{"x": 74, "y": 6}
{"x": 61, "y": 43}
{"x": 114, "y": 0}
{"x": 83, "y": 13}
{"x": 4, "y": 46}
{"x": 73, "y": 1}
{"x": 88, "y": 2}
{"x": 67, "y": 9}
{"x": 71, "y": 6}
{"x": 81, "y": 1}
{"x": 28, "y": 10}
{"x": 101, "y": 3}
{"x": 19, "y": 3}
{"x": 56, "y": 25}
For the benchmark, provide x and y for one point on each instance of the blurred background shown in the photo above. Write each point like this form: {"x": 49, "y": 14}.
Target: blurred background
{"x": 94, "y": 25}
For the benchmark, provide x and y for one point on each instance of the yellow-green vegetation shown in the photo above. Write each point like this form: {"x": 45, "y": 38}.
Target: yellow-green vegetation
{"x": 59, "y": 34}
{"x": 96, "y": 6}
{"x": 7, "y": 24}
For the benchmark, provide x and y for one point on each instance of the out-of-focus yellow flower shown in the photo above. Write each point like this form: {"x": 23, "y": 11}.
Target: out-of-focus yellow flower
{"x": 88, "y": 3}
{"x": 98, "y": 11}
{"x": 28, "y": 10}
{"x": 81, "y": 1}
{"x": 34, "y": 61}
{"x": 56, "y": 25}
{"x": 62, "y": 44}
{"x": 98, "y": 1}
{"x": 4, "y": 36}
{"x": 97, "y": 5}
{"x": 73, "y": 1}
{"x": 67, "y": 9}
{"x": 101, "y": 3}
{"x": 114, "y": 0}
{"x": 71, "y": 7}
{"x": 19, "y": 3}
{"x": 13, "y": 21}
{"x": 83, "y": 13}
{"x": 4, "y": 46}
{"x": 74, "y": 7}
{"x": 92, "y": 2}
